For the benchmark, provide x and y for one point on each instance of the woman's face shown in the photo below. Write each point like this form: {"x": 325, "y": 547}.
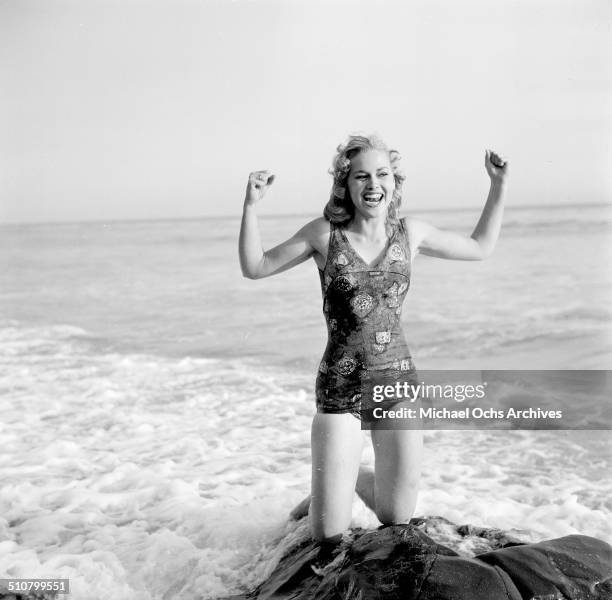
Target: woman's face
{"x": 371, "y": 183}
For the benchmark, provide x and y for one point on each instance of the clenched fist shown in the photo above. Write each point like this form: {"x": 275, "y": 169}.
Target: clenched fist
{"x": 496, "y": 166}
{"x": 259, "y": 182}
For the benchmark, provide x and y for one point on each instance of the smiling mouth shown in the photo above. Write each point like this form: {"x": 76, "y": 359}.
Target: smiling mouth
{"x": 372, "y": 199}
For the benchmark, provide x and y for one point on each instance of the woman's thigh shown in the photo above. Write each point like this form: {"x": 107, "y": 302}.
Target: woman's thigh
{"x": 336, "y": 443}
{"x": 398, "y": 456}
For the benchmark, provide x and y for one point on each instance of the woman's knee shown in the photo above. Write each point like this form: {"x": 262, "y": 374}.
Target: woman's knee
{"x": 393, "y": 507}
{"x": 324, "y": 532}
{"x": 391, "y": 516}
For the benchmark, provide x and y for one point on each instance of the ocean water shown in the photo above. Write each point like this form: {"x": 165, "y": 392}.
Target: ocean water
{"x": 156, "y": 406}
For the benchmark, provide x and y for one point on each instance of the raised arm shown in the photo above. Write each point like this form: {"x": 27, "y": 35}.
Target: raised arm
{"x": 254, "y": 261}
{"x": 480, "y": 245}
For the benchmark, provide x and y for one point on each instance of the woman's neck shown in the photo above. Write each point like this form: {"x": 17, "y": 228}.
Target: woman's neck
{"x": 374, "y": 229}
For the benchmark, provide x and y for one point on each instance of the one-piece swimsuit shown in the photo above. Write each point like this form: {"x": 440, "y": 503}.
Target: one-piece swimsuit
{"x": 362, "y": 305}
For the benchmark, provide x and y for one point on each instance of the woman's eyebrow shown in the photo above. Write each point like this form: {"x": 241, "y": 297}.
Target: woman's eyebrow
{"x": 366, "y": 172}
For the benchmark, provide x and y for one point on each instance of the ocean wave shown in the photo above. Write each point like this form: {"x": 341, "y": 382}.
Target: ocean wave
{"x": 142, "y": 476}
{"x": 584, "y": 224}
{"x": 598, "y": 314}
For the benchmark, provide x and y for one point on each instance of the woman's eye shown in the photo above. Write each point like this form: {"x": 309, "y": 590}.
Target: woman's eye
{"x": 383, "y": 174}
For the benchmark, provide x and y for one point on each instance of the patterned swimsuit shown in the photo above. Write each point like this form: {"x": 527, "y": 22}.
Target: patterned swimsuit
{"x": 362, "y": 305}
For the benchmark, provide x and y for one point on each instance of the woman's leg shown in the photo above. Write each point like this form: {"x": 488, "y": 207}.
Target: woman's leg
{"x": 364, "y": 489}
{"x": 336, "y": 444}
{"x": 398, "y": 457}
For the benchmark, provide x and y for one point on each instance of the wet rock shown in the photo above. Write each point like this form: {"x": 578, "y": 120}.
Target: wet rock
{"x": 402, "y": 562}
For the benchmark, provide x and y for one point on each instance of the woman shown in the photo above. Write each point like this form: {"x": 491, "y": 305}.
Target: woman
{"x": 364, "y": 255}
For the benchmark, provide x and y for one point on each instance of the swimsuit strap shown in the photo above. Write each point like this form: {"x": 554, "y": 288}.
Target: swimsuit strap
{"x": 332, "y": 244}
{"x": 404, "y": 235}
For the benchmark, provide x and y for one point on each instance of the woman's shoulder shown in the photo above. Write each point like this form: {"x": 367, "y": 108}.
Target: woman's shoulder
{"x": 411, "y": 221}
{"x": 416, "y": 227}
{"x": 316, "y": 228}
{"x": 316, "y": 233}
{"x": 416, "y": 231}
{"x": 319, "y": 224}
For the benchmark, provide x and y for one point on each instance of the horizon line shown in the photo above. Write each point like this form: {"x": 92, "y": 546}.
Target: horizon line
{"x": 282, "y": 215}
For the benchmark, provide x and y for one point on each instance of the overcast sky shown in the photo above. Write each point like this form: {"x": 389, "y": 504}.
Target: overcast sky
{"x": 152, "y": 109}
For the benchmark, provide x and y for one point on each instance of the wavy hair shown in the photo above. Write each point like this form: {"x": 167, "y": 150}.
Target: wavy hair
{"x": 340, "y": 208}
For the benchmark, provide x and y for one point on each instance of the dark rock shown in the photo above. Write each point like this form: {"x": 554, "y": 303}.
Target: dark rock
{"x": 404, "y": 562}
{"x": 574, "y": 566}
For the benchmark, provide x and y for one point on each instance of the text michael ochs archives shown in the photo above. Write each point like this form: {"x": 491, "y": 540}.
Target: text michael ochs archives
{"x": 409, "y": 392}
{"x": 467, "y": 413}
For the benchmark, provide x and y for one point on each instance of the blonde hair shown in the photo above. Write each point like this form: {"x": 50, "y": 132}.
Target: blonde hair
{"x": 339, "y": 208}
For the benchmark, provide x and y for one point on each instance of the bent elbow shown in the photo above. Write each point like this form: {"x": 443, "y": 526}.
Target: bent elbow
{"x": 249, "y": 274}
{"x": 486, "y": 253}
{"x": 255, "y": 271}
{"x": 250, "y": 270}
{"x": 482, "y": 250}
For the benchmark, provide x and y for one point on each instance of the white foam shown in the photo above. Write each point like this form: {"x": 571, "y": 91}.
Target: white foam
{"x": 142, "y": 477}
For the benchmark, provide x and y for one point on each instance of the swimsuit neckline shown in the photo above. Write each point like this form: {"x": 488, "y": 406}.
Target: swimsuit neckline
{"x": 377, "y": 261}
